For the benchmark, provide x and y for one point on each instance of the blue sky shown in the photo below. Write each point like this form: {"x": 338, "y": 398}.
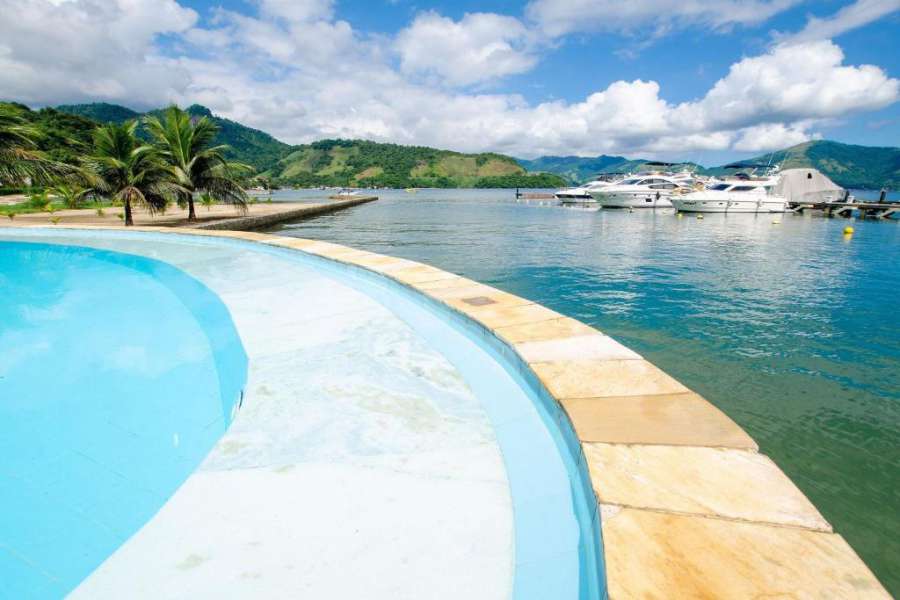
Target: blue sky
{"x": 708, "y": 80}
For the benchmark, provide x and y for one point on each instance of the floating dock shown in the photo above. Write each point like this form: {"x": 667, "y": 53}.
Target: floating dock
{"x": 880, "y": 210}
{"x": 534, "y": 195}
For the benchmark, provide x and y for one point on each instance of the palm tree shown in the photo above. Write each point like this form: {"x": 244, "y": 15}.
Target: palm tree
{"x": 21, "y": 163}
{"x": 130, "y": 171}
{"x": 71, "y": 194}
{"x": 199, "y": 167}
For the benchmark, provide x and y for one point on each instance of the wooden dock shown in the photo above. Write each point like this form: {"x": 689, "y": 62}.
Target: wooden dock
{"x": 534, "y": 195}
{"x": 880, "y": 210}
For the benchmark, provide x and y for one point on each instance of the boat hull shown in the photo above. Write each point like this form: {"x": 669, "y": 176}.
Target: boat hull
{"x": 720, "y": 205}
{"x": 633, "y": 200}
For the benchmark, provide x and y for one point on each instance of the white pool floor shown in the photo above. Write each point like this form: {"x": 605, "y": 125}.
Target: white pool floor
{"x": 360, "y": 465}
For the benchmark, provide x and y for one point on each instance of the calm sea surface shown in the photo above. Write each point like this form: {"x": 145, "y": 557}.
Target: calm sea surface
{"x": 791, "y": 328}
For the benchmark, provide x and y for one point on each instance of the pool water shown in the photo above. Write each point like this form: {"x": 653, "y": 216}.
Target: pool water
{"x": 118, "y": 374}
{"x": 789, "y": 327}
{"x": 377, "y": 428}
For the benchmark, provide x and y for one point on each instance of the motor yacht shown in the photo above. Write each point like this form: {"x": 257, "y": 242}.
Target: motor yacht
{"x": 733, "y": 196}
{"x": 643, "y": 191}
{"x": 742, "y": 192}
{"x": 582, "y": 194}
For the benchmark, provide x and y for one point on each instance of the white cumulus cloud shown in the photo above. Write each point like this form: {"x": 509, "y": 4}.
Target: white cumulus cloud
{"x": 479, "y": 47}
{"x": 84, "y": 50}
{"x": 298, "y": 72}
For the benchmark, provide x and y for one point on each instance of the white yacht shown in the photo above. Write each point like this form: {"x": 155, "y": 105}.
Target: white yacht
{"x": 582, "y": 194}
{"x": 733, "y": 196}
{"x": 740, "y": 193}
{"x": 642, "y": 191}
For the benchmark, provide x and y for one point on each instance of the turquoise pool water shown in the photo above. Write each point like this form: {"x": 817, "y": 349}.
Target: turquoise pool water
{"x": 790, "y": 328}
{"x": 118, "y": 374}
{"x": 352, "y": 377}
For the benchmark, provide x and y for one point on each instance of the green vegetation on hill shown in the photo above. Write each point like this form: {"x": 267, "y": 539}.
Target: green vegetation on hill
{"x": 847, "y": 165}
{"x": 251, "y": 146}
{"x": 574, "y": 168}
{"x": 372, "y": 164}
{"x": 61, "y": 136}
{"x": 101, "y": 112}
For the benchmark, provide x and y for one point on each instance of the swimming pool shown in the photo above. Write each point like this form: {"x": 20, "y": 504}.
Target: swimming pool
{"x": 377, "y": 428}
{"x": 119, "y": 373}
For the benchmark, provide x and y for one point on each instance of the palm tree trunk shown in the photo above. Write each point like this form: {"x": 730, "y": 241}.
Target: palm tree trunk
{"x": 128, "y": 220}
{"x": 192, "y": 216}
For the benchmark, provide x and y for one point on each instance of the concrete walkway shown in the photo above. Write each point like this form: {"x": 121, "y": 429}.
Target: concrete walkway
{"x": 219, "y": 216}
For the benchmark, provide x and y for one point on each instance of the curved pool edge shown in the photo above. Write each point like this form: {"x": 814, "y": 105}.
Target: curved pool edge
{"x": 689, "y": 506}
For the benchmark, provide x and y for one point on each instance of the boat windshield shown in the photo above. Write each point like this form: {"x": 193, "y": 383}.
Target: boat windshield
{"x": 743, "y": 188}
{"x": 721, "y": 187}
{"x": 631, "y": 181}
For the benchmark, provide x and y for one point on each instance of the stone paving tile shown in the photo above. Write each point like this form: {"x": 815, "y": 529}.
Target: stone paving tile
{"x": 383, "y": 264}
{"x": 594, "y": 346}
{"x": 673, "y": 419}
{"x": 544, "y": 330}
{"x": 658, "y": 555}
{"x": 504, "y": 314}
{"x": 437, "y": 284}
{"x": 730, "y": 483}
{"x": 598, "y": 378}
{"x": 422, "y": 273}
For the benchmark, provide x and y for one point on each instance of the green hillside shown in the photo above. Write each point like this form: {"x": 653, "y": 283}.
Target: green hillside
{"x": 64, "y": 137}
{"x": 251, "y": 146}
{"x": 847, "y": 165}
{"x": 364, "y": 163}
{"x": 101, "y": 112}
{"x": 573, "y": 168}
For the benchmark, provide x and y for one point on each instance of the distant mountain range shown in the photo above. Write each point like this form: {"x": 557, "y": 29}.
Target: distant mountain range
{"x": 67, "y": 131}
{"x": 847, "y": 165}
{"x": 364, "y": 163}
{"x": 345, "y": 162}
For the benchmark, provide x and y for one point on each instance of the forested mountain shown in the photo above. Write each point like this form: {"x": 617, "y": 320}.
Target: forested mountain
{"x": 847, "y": 165}
{"x": 101, "y": 112}
{"x": 347, "y": 162}
{"x": 574, "y": 168}
{"x": 365, "y": 163}
{"x": 64, "y": 137}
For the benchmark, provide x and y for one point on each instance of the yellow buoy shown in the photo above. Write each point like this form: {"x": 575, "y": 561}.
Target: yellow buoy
{"x": 776, "y": 222}
{"x": 680, "y": 215}
{"x": 848, "y": 231}
{"x": 699, "y": 216}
